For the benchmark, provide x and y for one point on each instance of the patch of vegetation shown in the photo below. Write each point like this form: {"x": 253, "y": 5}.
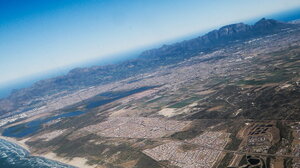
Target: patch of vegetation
{"x": 187, "y": 147}
{"x": 287, "y": 162}
{"x": 268, "y": 162}
{"x": 189, "y": 134}
{"x": 215, "y": 81}
{"x": 100, "y": 154}
{"x": 285, "y": 132}
{"x": 233, "y": 127}
{"x": 226, "y": 160}
{"x": 148, "y": 142}
{"x": 197, "y": 128}
{"x": 155, "y": 100}
{"x": 180, "y": 104}
{"x": 147, "y": 162}
{"x": 286, "y": 138}
{"x": 278, "y": 76}
{"x": 234, "y": 143}
{"x": 167, "y": 164}
{"x": 244, "y": 161}
{"x": 184, "y": 103}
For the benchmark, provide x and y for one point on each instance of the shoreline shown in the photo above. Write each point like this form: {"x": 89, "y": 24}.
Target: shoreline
{"x": 76, "y": 162}
{"x": 13, "y": 140}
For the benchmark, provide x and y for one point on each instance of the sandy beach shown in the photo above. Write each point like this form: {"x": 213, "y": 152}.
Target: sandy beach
{"x": 20, "y": 143}
{"x": 76, "y": 162}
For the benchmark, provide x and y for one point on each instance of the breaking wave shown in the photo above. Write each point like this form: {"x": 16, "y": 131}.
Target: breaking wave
{"x": 14, "y": 156}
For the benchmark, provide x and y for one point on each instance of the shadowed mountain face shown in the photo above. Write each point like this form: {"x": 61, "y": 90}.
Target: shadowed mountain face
{"x": 233, "y": 94}
{"x": 148, "y": 61}
{"x": 217, "y": 38}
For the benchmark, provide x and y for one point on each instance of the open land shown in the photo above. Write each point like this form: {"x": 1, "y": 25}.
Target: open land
{"x": 234, "y": 106}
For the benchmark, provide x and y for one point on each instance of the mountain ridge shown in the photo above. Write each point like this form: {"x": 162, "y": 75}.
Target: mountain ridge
{"x": 228, "y": 32}
{"x": 148, "y": 60}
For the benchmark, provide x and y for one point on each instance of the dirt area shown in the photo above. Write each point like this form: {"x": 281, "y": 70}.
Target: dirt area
{"x": 215, "y": 108}
{"x": 167, "y": 112}
{"x": 277, "y": 163}
{"x": 236, "y": 160}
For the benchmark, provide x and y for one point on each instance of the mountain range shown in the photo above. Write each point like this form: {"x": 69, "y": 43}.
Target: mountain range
{"x": 148, "y": 61}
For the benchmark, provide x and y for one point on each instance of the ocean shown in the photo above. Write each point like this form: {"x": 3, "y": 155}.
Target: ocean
{"x": 14, "y": 156}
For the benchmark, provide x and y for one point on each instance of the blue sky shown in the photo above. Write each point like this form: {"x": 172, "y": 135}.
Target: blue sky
{"x": 41, "y": 35}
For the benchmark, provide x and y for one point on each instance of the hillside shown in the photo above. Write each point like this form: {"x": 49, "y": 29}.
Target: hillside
{"x": 148, "y": 61}
{"x": 230, "y": 98}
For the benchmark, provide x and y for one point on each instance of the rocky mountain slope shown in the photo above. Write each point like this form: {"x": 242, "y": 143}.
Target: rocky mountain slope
{"x": 230, "y": 98}
{"x": 147, "y": 61}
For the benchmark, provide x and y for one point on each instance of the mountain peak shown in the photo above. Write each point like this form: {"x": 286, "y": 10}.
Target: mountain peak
{"x": 267, "y": 23}
{"x": 233, "y": 28}
{"x": 262, "y": 20}
{"x": 215, "y": 38}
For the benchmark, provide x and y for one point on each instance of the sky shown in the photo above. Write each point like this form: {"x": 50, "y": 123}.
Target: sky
{"x": 42, "y": 35}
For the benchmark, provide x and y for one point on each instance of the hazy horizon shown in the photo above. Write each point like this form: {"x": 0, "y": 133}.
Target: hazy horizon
{"x": 149, "y": 84}
{"x": 39, "y": 36}
{"x": 26, "y": 80}
{"x": 7, "y": 87}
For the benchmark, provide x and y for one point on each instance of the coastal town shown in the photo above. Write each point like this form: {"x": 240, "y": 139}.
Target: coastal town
{"x": 234, "y": 106}
{"x": 204, "y": 150}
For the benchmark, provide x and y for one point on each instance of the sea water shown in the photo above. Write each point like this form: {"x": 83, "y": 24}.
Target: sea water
{"x": 14, "y": 156}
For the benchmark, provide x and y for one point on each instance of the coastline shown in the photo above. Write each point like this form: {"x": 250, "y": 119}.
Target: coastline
{"x": 75, "y": 162}
{"x": 20, "y": 143}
